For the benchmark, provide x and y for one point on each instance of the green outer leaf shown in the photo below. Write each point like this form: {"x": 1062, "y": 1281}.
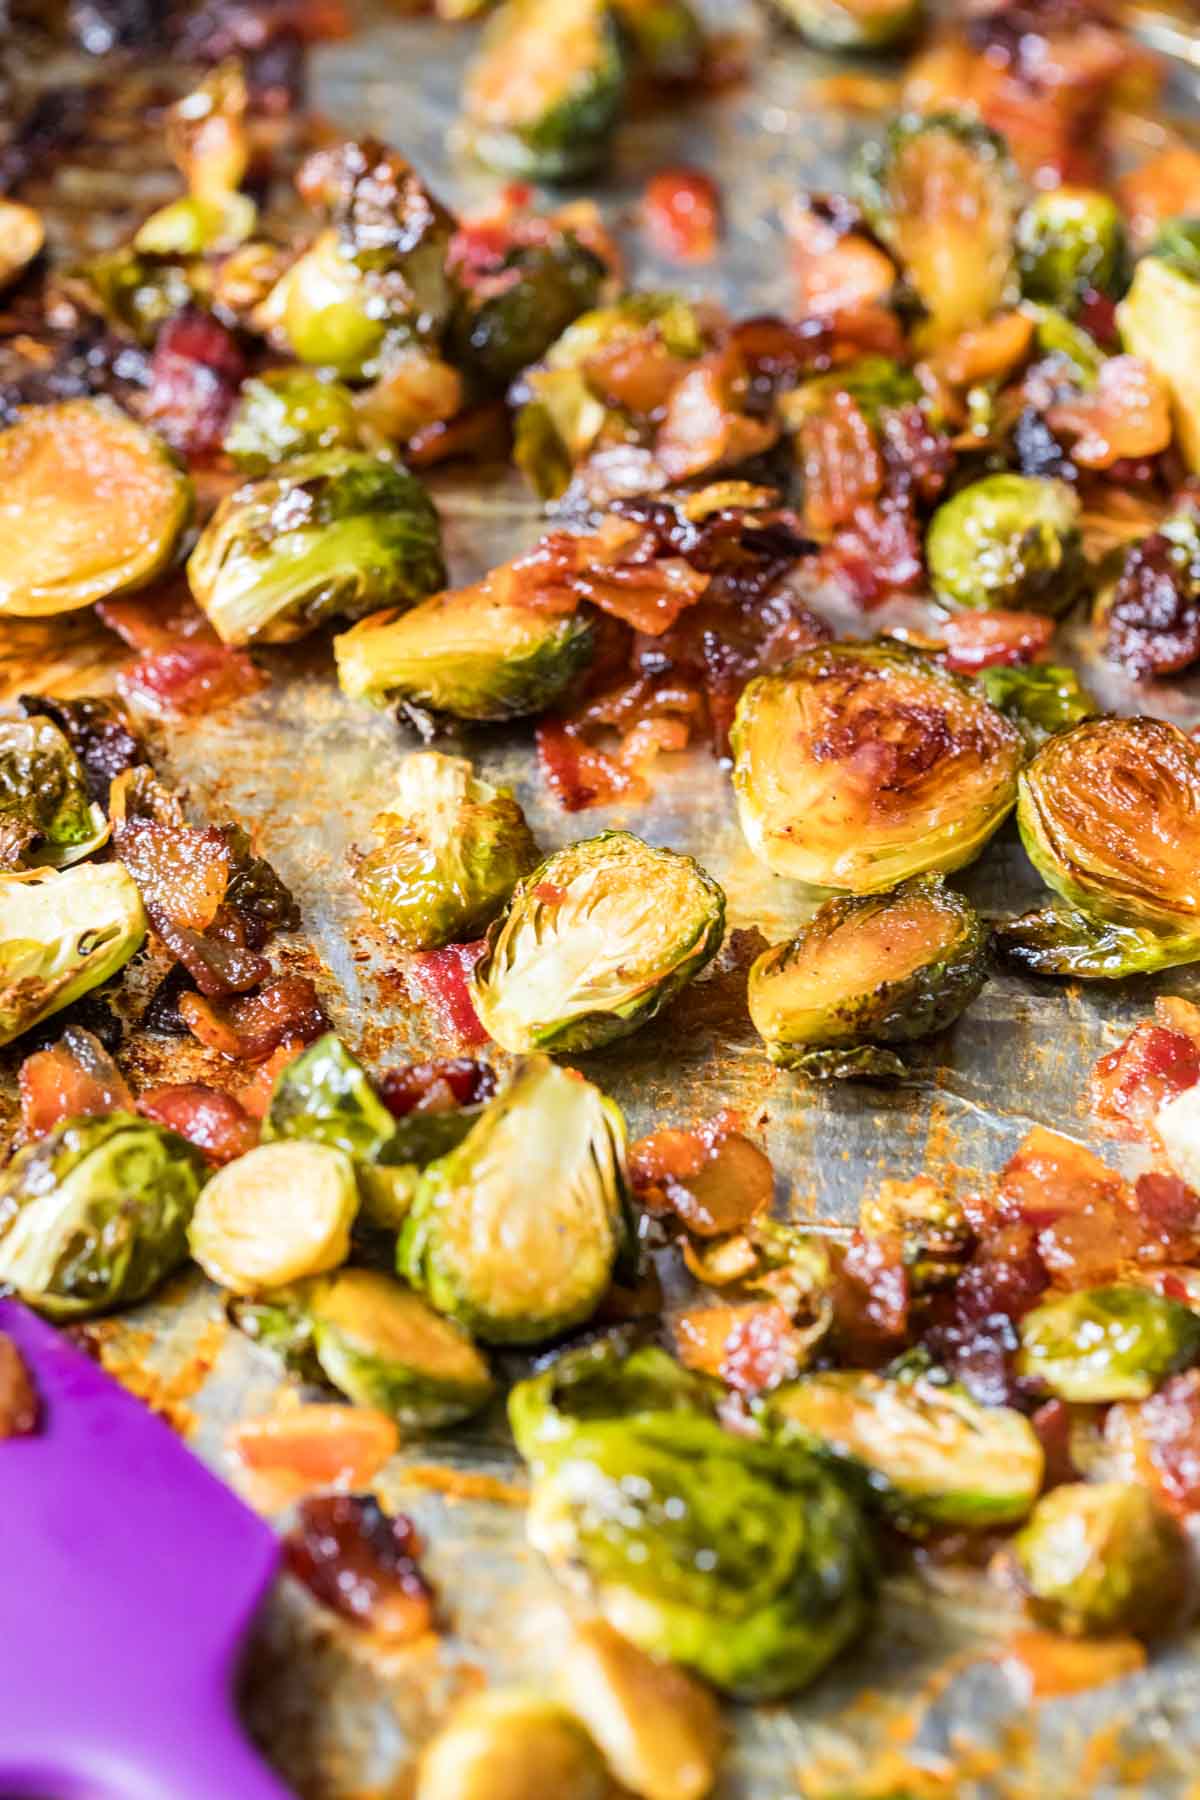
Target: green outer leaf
{"x": 1040, "y": 700}
{"x": 411, "y": 1388}
{"x": 1106, "y": 1343}
{"x": 1059, "y": 940}
{"x": 288, "y": 413}
{"x": 326, "y": 1094}
{"x": 1102, "y": 1557}
{"x": 494, "y": 338}
{"x": 1071, "y": 242}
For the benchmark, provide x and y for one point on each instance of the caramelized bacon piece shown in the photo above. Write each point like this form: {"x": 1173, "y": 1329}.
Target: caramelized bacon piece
{"x": 19, "y": 1408}
{"x": 190, "y": 679}
{"x": 74, "y": 1077}
{"x": 579, "y": 774}
{"x": 988, "y": 640}
{"x": 317, "y": 1444}
{"x": 250, "y": 1027}
{"x": 195, "y": 373}
{"x": 1126, "y": 415}
{"x": 1159, "y": 1440}
{"x": 681, "y": 208}
{"x": 214, "y": 1122}
{"x": 704, "y": 426}
{"x": 361, "y": 1563}
{"x": 1166, "y": 186}
{"x": 436, "y": 1086}
{"x": 750, "y": 1347}
{"x": 871, "y": 1298}
{"x": 1129, "y": 1084}
{"x": 255, "y": 1097}
{"x": 713, "y": 1180}
{"x": 441, "y": 979}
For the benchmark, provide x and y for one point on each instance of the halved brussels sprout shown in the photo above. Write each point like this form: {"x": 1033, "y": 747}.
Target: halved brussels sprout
{"x": 867, "y": 25}
{"x": 513, "y": 317}
{"x": 1159, "y": 320}
{"x": 874, "y": 383}
{"x": 1071, "y": 242}
{"x": 91, "y": 504}
{"x": 45, "y": 814}
{"x": 860, "y": 765}
{"x": 545, "y": 95}
{"x": 940, "y": 192}
{"x": 135, "y": 294}
{"x": 331, "y": 535}
{"x": 1102, "y": 1557}
{"x": 62, "y": 933}
{"x": 660, "y": 1730}
{"x": 1110, "y": 1343}
{"x": 868, "y": 971}
{"x": 596, "y": 941}
{"x": 510, "y": 1744}
{"x": 1109, "y": 814}
{"x": 1040, "y": 699}
{"x": 451, "y": 848}
{"x": 95, "y": 1214}
{"x": 932, "y": 1454}
{"x": 277, "y": 1214}
{"x": 376, "y": 1342}
{"x": 325, "y": 1095}
{"x": 515, "y": 1233}
{"x": 287, "y": 413}
{"x": 326, "y": 310}
{"x": 22, "y": 235}
{"x": 746, "y": 1561}
{"x": 666, "y": 38}
{"x": 475, "y": 652}
{"x": 1008, "y": 541}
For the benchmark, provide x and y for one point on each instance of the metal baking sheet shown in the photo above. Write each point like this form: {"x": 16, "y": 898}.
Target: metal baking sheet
{"x": 307, "y": 768}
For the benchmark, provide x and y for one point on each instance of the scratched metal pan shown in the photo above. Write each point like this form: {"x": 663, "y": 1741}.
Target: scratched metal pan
{"x": 307, "y": 769}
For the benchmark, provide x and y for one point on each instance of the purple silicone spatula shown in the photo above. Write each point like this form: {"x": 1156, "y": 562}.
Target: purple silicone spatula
{"x": 128, "y": 1577}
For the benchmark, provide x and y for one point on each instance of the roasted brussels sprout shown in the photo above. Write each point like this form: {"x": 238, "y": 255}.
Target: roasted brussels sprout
{"x": 596, "y": 941}
{"x": 940, "y": 192}
{"x": 325, "y": 1095}
{"x": 1110, "y": 1343}
{"x": 509, "y": 1744}
{"x": 932, "y": 1454}
{"x": 45, "y": 814}
{"x": 1102, "y": 1557}
{"x": 869, "y": 25}
{"x": 277, "y": 1214}
{"x": 475, "y": 652}
{"x": 1071, "y": 242}
{"x": 330, "y": 535}
{"x": 62, "y": 932}
{"x": 868, "y": 971}
{"x": 1040, "y": 699}
{"x": 745, "y": 1561}
{"x": 545, "y": 95}
{"x": 325, "y": 310}
{"x": 515, "y": 1233}
{"x": 133, "y": 293}
{"x": 513, "y": 317}
{"x": 860, "y": 765}
{"x": 1159, "y": 321}
{"x": 208, "y": 141}
{"x": 22, "y": 235}
{"x": 376, "y": 1342}
{"x": 1008, "y": 541}
{"x": 874, "y": 383}
{"x": 95, "y": 1214}
{"x": 288, "y": 413}
{"x": 1109, "y": 814}
{"x": 90, "y": 504}
{"x": 666, "y": 38}
{"x": 450, "y": 850}
{"x": 932, "y": 1229}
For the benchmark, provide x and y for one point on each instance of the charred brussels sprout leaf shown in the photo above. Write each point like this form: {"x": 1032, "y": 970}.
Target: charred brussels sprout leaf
{"x": 513, "y": 318}
{"x": 594, "y": 943}
{"x": 326, "y": 1095}
{"x": 330, "y": 535}
{"x": 515, "y": 1233}
{"x": 509, "y": 1744}
{"x": 1008, "y": 541}
{"x": 854, "y": 24}
{"x": 1103, "y": 1557}
{"x": 867, "y": 972}
{"x": 1071, "y": 242}
{"x": 1111, "y": 1343}
{"x": 288, "y": 413}
{"x": 45, "y": 814}
{"x": 90, "y": 504}
{"x": 545, "y": 95}
{"x": 1040, "y": 700}
{"x": 932, "y": 1454}
{"x": 746, "y": 1561}
{"x": 475, "y": 653}
{"x": 860, "y": 765}
{"x": 1159, "y": 320}
{"x": 62, "y": 933}
{"x": 450, "y": 850}
{"x": 376, "y": 1342}
{"x": 941, "y": 193}
{"x": 95, "y": 1214}
{"x": 1109, "y": 814}
{"x": 277, "y": 1214}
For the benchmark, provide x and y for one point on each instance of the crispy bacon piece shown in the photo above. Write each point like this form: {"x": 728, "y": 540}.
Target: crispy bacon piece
{"x": 1169, "y": 1214}
{"x": 480, "y": 433}
{"x": 713, "y": 1179}
{"x": 252, "y": 1026}
{"x": 1129, "y": 1084}
{"x": 840, "y": 463}
{"x": 436, "y": 1086}
{"x": 1126, "y": 416}
{"x": 317, "y": 1444}
{"x": 837, "y": 268}
{"x": 988, "y": 640}
{"x": 195, "y": 373}
{"x": 681, "y": 208}
{"x": 1159, "y": 1439}
{"x": 871, "y": 1298}
{"x": 751, "y": 1347}
{"x": 190, "y": 679}
{"x": 705, "y": 426}
{"x": 74, "y": 1077}
{"x": 441, "y": 979}
{"x": 255, "y": 1097}
{"x": 1166, "y": 186}
{"x": 19, "y": 1406}
{"x": 978, "y": 1340}
{"x": 362, "y": 1563}
{"x": 579, "y": 774}
{"x": 215, "y": 1122}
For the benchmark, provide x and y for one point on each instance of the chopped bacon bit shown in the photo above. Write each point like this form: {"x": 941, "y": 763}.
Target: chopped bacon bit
{"x": 1053, "y": 1422}
{"x": 871, "y": 1298}
{"x": 682, "y": 212}
{"x": 876, "y": 554}
{"x": 1049, "y": 1176}
{"x": 362, "y": 1563}
{"x": 1165, "y": 187}
{"x": 1160, "y": 1439}
{"x": 214, "y": 1122}
{"x": 713, "y": 1180}
{"x": 1127, "y": 415}
{"x": 1047, "y": 1666}
{"x": 1130, "y": 1083}
{"x": 436, "y": 1086}
{"x": 1004, "y": 1279}
{"x": 480, "y": 433}
{"x": 250, "y": 1027}
{"x": 190, "y": 678}
{"x": 76, "y": 1077}
{"x": 255, "y": 1097}
{"x": 195, "y": 372}
{"x": 1169, "y": 1213}
{"x": 157, "y": 619}
{"x": 749, "y": 1347}
{"x": 837, "y": 269}
{"x": 182, "y": 873}
{"x": 317, "y": 1444}
{"x": 578, "y": 774}
{"x": 988, "y": 640}
{"x": 623, "y": 571}
{"x": 704, "y": 426}
{"x": 441, "y": 978}
{"x": 986, "y": 352}
{"x": 1175, "y": 1013}
{"x": 19, "y": 1406}
{"x": 840, "y": 462}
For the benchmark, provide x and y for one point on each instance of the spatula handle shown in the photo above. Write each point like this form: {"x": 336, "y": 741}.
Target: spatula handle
{"x": 162, "y": 1758}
